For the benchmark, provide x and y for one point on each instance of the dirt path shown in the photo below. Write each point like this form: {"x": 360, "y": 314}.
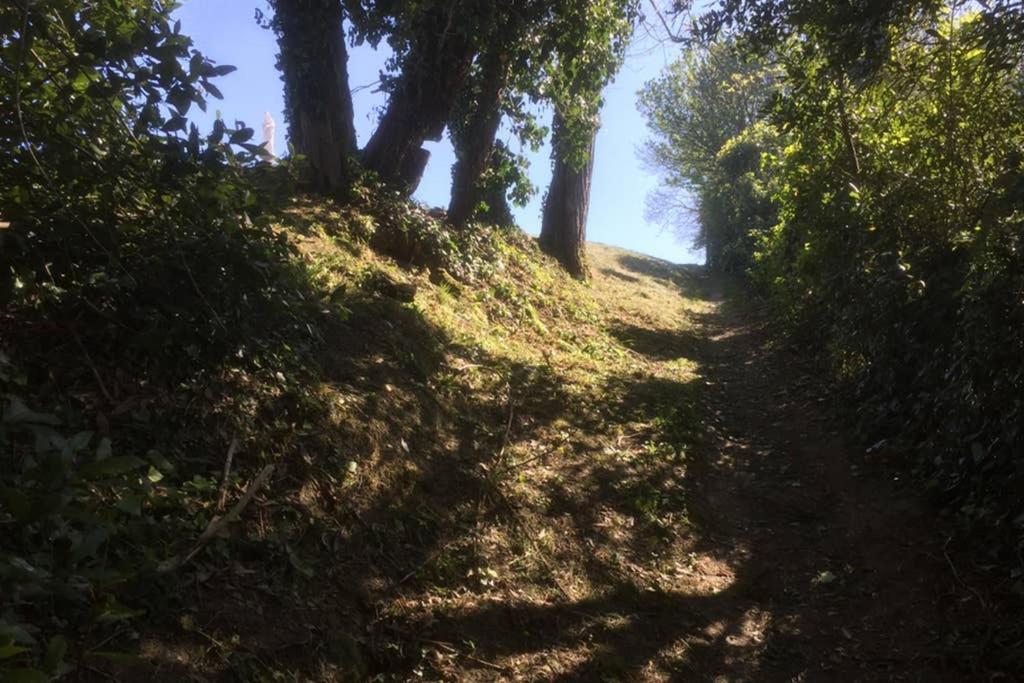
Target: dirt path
{"x": 844, "y": 566}
{"x": 770, "y": 551}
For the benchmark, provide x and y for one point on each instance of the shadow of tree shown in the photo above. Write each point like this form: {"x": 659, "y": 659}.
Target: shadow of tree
{"x": 658, "y": 344}
{"x": 665, "y": 271}
{"x": 618, "y": 275}
{"x": 622, "y": 513}
{"x": 688, "y": 554}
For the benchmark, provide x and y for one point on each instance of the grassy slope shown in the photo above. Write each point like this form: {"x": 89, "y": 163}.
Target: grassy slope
{"x": 517, "y": 439}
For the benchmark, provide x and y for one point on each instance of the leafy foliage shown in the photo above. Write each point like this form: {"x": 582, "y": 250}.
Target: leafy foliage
{"x": 590, "y": 40}
{"x": 881, "y": 212}
{"x": 706, "y": 143}
{"x": 135, "y": 266}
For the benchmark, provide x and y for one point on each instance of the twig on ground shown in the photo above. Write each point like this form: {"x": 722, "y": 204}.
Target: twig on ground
{"x": 448, "y": 647}
{"x": 219, "y": 523}
{"x": 508, "y": 425}
{"x": 990, "y": 630}
{"x": 222, "y": 494}
{"x": 513, "y": 465}
{"x": 963, "y": 583}
{"x": 92, "y": 367}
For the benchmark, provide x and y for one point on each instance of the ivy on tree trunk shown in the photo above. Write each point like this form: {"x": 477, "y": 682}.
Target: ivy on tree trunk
{"x": 474, "y": 144}
{"x": 318, "y": 102}
{"x": 420, "y": 103}
{"x": 563, "y": 230}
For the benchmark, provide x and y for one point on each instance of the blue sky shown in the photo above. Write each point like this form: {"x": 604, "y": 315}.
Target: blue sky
{"x": 226, "y": 31}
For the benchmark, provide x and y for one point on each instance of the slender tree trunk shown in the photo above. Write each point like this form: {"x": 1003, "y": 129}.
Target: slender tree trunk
{"x": 421, "y": 102}
{"x": 846, "y": 128}
{"x": 474, "y": 146}
{"x": 563, "y": 232}
{"x": 318, "y": 102}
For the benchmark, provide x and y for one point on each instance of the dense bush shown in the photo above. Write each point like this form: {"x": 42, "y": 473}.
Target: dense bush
{"x": 900, "y": 225}
{"x": 883, "y": 218}
{"x": 133, "y": 264}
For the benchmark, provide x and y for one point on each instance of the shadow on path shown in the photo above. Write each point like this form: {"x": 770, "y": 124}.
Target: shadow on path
{"x": 788, "y": 558}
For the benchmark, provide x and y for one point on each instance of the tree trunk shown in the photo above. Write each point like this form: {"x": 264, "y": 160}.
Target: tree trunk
{"x": 474, "y": 145}
{"x": 420, "y": 104}
{"x": 563, "y": 232}
{"x": 496, "y": 195}
{"x": 318, "y": 102}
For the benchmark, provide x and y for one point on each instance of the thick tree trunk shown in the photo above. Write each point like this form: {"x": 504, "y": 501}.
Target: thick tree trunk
{"x": 563, "y": 232}
{"x": 318, "y": 102}
{"x": 420, "y": 104}
{"x": 474, "y": 145}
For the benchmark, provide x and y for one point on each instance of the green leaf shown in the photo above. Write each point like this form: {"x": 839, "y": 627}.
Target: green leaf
{"x": 218, "y": 132}
{"x": 180, "y": 99}
{"x": 17, "y": 412}
{"x": 111, "y": 467}
{"x": 79, "y": 441}
{"x": 174, "y": 123}
{"x": 131, "y": 505}
{"x": 213, "y": 90}
{"x": 159, "y": 461}
{"x": 8, "y": 651}
{"x": 241, "y": 135}
{"x": 223, "y": 69}
{"x": 80, "y": 82}
{"x": 55, "y": 651}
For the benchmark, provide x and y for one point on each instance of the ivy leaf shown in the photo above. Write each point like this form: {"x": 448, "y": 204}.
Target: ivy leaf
{"x": 18, "y": 413}
{"x": 111, "y": 467}
{"x": 131, "y": 505}
{"x": 56, "y": 649}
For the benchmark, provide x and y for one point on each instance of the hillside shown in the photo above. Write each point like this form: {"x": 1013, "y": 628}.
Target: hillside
{"x": 506, "y": 476}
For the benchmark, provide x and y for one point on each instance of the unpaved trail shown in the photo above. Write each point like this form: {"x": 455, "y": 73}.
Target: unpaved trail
{"x": 766, "y": 549}
{"x": 841, "y": 573}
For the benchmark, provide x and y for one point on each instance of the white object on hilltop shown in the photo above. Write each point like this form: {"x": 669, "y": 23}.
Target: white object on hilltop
{"x": 268, "y": 133}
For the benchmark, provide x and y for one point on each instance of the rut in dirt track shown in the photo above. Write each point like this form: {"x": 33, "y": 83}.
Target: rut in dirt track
{"x": 840, "y": 573}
